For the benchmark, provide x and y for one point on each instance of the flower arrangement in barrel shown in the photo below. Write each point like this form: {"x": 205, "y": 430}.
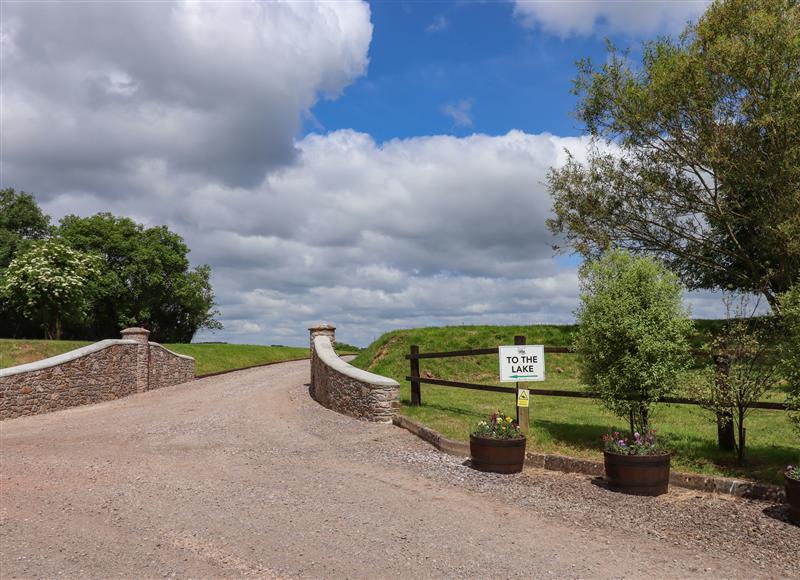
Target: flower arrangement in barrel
{"x": 498, "y": 426}
{"x": 647, "y": 444}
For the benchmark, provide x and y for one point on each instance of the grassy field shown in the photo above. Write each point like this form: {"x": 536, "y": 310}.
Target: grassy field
{"x": 210, "y": 357}
{"x": 566, "y": 425}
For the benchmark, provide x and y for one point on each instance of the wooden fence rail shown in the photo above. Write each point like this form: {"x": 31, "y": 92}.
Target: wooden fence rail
{"x": 725, "y": 431}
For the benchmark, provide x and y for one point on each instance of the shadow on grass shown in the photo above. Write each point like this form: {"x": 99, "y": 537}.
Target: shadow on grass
{"x": 762, "y": 462}
{"x": 583, "y": 436}
{"x": 406, "y": 403}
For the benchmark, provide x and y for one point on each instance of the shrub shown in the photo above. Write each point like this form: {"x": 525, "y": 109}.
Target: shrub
{"x": 633, "y": 334}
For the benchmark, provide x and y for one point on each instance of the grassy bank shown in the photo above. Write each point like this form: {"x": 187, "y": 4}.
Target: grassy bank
{"x": 564, "y": 425}
{"x": 210, "y": 357}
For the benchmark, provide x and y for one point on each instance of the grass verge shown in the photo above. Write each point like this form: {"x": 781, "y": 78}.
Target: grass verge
{"x": 566, "y": 425}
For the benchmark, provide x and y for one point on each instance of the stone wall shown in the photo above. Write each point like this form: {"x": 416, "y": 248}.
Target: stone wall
{"x": 346, "y": 389}
{"x": 103, "y": 371}
{"x": 168, "y": 368}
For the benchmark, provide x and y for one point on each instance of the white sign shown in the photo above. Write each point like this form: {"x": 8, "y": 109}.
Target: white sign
{"x": 524, "y": 362}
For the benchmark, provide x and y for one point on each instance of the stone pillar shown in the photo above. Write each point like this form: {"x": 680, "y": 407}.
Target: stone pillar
{"x": 322, "y": 329}
{"x": 141, "y": 336}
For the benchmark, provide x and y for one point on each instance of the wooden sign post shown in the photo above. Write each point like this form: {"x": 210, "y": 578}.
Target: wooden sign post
{"x": 521, "y": 363}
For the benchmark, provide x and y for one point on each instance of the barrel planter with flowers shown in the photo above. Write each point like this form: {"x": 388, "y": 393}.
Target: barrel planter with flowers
{"x": 793, "y": 492}
{"x": 637, "y": 467}
{"x": 497, "y": 445}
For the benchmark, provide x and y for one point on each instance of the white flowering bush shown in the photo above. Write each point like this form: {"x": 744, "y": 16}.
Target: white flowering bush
{"x": 49, "y": 283}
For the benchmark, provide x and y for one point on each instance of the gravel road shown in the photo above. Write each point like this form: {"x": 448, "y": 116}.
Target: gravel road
{"x": 243, "y": 475}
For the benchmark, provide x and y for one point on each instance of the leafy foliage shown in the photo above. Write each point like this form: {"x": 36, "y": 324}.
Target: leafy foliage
{"x": 633, "y": 334}
{"x": 752, "y": 370}
{"x": 50, "y": 282}
{"x": 498, "y": 426}
{"x": 21, "y": 220}
{"x": 790, "y": 350}
{"x": 697, "y": 152}
{"x": 146, "y": 279}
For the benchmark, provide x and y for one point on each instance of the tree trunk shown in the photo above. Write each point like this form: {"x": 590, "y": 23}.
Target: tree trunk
{"x": 726, "y": 440}
{"x": 740, "y": 447}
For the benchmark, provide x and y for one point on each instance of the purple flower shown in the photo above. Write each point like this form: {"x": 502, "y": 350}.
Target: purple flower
{"x": 636, "y": 435}
{"x": 621, "y": 442}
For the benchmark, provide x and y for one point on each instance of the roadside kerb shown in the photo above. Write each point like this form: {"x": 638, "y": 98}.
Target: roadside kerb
{"x": 552, "y": 462}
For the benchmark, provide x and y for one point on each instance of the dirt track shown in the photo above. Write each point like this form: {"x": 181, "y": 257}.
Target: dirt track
{"x": 244, "y": 475}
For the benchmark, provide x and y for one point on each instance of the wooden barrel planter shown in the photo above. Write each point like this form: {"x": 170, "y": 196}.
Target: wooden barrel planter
{"x": 637, "y": 474}
{"x": 793, "y": 498}
{"x": 497, "y": 455}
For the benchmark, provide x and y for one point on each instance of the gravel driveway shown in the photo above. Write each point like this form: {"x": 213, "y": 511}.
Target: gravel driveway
{"x": 243, "y": 475}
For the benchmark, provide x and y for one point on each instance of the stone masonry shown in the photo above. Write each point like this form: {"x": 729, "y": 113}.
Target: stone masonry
{"x": 103, "y": 371}
{"x": 346, "y": 389}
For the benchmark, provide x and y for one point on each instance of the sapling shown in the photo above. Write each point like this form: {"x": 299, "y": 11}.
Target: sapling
{"x": 633, "y": 334}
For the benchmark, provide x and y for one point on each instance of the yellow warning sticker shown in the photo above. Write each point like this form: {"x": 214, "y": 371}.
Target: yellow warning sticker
{"x": 523, "y": 397}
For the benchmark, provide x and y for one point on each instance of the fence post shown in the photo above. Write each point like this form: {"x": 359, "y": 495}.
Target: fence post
{"x": 725, "y": 436}
{"x": 522, "y": 412}
{"x": 416, "y": 398}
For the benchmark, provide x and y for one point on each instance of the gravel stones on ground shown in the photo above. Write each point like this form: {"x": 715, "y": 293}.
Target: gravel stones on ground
{"x": 242, "y": 475}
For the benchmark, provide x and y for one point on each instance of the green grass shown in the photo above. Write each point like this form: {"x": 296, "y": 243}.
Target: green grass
{"x": 213, "y": 358}
{"x": 210, "y": 357}
{"x": 18, "y": 352}
{"x": 566, "y": 425}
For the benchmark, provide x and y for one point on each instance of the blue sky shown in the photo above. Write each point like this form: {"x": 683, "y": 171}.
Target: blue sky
{"x": 375, "y": 165}
{"x": 425, "y": 56}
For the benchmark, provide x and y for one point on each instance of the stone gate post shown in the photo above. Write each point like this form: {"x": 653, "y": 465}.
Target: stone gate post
{"x": 141, "y": 336}
{"x": 322, "y": 329}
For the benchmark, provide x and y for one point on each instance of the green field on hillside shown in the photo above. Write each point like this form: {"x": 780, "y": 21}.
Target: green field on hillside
{"x": 210, "y": 357}
{"x": 567, "y": 425}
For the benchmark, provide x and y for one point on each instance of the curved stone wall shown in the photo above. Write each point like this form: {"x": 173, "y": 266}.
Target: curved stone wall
{"x": 346, "y": 389}
{"x": 103, "y": 371}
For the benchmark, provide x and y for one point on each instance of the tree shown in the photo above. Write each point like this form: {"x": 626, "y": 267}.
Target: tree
{"x": 696, "y": 155}
{"x": 49, "y": 282}
{"x": 748, "y": 345}
{"x": 21, "y": 220}
{"x": 790, "y": 350}
{"x": 632, "y": 335}
{"x": 146, "y": 279}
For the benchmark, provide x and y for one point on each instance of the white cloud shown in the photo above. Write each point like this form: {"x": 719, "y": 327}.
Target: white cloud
{"x": 428, "y": 230}
{"x": 439, "y": 23}
{"x": 98, "y": 90}
{"x": 185, "y": 114}
{"x": 630, "y": 17}
{"x": 460, "y": 112}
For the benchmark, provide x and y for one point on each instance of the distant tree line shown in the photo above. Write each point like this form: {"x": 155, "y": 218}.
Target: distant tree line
{"x": 89, "y": 277}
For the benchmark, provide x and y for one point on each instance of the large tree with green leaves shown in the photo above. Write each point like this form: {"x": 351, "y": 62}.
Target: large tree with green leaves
{"x": 146, "y": 279}
{"x": 696, "y": 156}
{"x": 21, "y": 220}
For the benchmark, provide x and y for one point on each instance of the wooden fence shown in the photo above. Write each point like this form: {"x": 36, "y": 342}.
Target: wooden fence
{"x": 725, "y": 431}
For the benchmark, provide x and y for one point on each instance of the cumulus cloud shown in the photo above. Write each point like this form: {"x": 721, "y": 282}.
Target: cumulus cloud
{"x": 99, "y": 91}
{"x": 371, "y": 236}
{"x": 629, "y": 17}
{"x": 186, "y": 114}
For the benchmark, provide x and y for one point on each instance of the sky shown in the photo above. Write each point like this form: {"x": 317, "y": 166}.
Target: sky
{"x": 371, "y": 165}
